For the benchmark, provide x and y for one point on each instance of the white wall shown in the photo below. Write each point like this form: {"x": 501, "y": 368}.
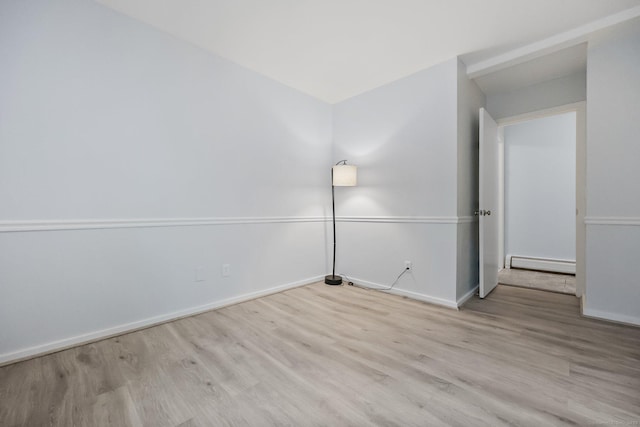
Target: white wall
{"x": 416, "y": 150}
{"x": 106, "y": 120}
{"x": 540, "y": 187}
{"x": 470, "y": 100}
{"x": 613, "y": 156}
{"x": 402, "y": 137}
{"x": 552, "y": 93}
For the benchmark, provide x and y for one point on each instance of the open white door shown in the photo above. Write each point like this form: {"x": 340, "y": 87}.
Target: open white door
{"x": 488, "y": 209}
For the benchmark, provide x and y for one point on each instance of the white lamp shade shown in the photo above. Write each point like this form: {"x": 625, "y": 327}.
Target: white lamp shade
{"x": 345, "y": 175}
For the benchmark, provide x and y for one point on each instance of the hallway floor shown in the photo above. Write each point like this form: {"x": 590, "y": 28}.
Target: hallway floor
{"x": 561, "y": 283}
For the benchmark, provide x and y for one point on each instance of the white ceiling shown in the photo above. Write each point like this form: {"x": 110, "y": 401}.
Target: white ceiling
{"x": 335, "y": 49}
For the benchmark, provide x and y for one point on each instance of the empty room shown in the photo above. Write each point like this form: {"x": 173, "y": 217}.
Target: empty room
{"x": 319, "y": 213}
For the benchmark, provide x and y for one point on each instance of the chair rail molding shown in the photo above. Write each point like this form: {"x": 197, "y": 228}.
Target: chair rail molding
{"x": 13, "y": 226}
{"x": 94, "y": 224}
{"x": 410, "y": 219}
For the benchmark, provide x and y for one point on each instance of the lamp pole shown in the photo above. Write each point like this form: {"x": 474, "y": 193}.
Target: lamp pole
{"x": 333, "y": 280}
{"x": 346, "y": 177}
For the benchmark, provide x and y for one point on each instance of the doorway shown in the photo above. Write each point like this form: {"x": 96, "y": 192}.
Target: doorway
{"x": 539, "y": 204}
{"x": 539, "y": 175}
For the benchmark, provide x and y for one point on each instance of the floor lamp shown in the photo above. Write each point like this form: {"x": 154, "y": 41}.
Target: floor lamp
{"x": 342, "y": 175}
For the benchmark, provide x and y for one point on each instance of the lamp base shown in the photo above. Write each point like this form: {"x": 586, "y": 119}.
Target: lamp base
{"x": 333, "y": 280}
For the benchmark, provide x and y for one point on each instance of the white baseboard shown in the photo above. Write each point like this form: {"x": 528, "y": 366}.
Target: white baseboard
{"x": 55, "y": 346}
{"x": 464, "y": 298}
{"x": 612, "y": 317}
{"x": 409, "y": 294}
{"x": 540, "y": 264}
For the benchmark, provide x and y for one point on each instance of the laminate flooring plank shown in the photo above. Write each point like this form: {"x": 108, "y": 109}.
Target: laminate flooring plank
{"x": 113, "y": 409}
{"x": 27, "y": 390}
{"x": 284, "y": 370}
{"x": 338, "y": 356}
{"x": 163, "y": 396}
{"x": 543, "y": 384}
{"x": 528, "y": 357}
{"x": 321, "y": 372}
{"x": 388, "y": 363}
{"x": 264, "y": 367}
{"x": 489, "y": 346}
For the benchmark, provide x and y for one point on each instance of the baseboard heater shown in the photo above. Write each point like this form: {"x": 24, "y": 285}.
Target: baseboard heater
{"x": 541, "y": 264}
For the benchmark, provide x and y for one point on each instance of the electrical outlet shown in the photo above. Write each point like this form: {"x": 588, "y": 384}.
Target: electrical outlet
{"x": 199, "y": 277}
{"x": 408, "y": 265}
{"x": 226, "y": 270}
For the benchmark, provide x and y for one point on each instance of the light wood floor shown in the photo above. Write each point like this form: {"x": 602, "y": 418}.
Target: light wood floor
{"x": 562, "y": 283}
{"x": 337, "y": 356}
